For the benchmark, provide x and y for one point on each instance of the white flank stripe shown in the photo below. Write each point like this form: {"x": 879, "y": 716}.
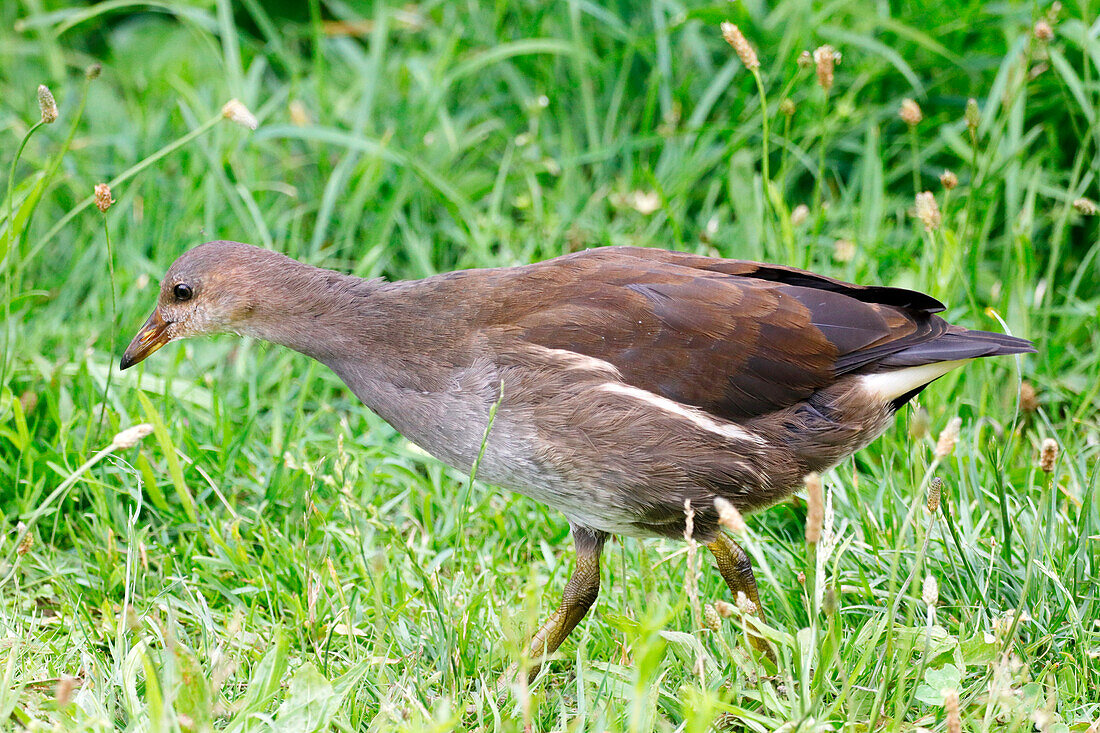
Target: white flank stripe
{"x": 572, "y": 360}
{"x": 695, "y": 416}
{"x": 891, "y": 385}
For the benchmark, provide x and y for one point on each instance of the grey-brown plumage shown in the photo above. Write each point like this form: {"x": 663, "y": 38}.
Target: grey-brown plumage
{"x": 633, "y": 380}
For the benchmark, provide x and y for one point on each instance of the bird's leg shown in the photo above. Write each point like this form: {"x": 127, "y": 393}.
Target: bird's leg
{"x": 580, "y": 593}
{"x": 736, "y": 569}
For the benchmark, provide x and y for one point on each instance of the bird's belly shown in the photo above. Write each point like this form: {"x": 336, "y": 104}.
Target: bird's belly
{"x": 511, "y": 462}
{"x": 613, "y": 461}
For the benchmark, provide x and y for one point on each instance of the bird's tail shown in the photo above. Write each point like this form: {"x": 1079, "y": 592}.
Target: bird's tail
{"x": 957, "y": 344}
{"x": 901, "y": 376}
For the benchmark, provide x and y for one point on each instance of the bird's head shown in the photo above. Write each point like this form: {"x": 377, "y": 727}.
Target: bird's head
{"x": 209, "y": 289}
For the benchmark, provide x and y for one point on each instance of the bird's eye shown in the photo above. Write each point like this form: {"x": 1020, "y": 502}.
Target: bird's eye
{"x": 182, "y": 291}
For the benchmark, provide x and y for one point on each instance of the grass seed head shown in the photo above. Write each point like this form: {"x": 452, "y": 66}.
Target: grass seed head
{"x": 844, "y": 250}
{"x": 930, "y": 591}
{"x": 815, "y": 512}
{"x": 945, "y": 445}
{"x": 805, "y": 60}
{"x": 800, "y": 214}
{"x": 951, "y": 707}
{"x": 973, "y": 115}
{"x": 299, "y": 115}
{"x": 1085, "y": 207}
{"x": 1043, "y": 31}
{"x": 744, "y": 604}
{"x": 1048, "y": 455}
{"x": 235, "y": 111}
{"x": 26, "y": 542}
{"x": 910, "y": 112}
{"x": 825, "y": 57}
{"x": 1029, "y": 399}
{"x": 711, "y": 618}
{"x": 728, "y": 516}
{"x": 46, "y": 104}
{"x": 949, "y": 180}
{"x": 741, "y": 45}
{"x": 928, "y": 211}
{"x": 920, "y": 424}
{"x": 724, "y": 609}
{"x": 103, "y": 198}
{"x": 93, "y": 71}
{"x": 131, "y": 436}
{"x": 786, "y": 107}
{"x": 63, "y": 693}
{"x": 935, "y": 490}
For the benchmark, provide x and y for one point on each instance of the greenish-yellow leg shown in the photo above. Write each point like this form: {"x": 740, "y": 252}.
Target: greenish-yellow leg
{"x": 736, "y": 569}
{"x": 580, "y": 593}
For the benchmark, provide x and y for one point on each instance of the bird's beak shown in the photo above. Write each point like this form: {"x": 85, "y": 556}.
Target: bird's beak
{"x": 151, "y": 337}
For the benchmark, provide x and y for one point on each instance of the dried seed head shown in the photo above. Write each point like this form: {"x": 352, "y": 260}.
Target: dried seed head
{"x": 644, "y": 202}
{"x": 103, "y": 198}
{"x": 949, "y": 180}
{"x": 1029, "y": 399}
{"x": 63, "y": 693}
{"x": 130, "y": 617}
{"x": 930, "y": 591}
{"x": 825, "y": 58}
{"x": 829, "y": 602}
{"x": 131, "y": 436}
{"x": 93, "y": 71}
{"x": 805, "y": 60}
{"x": 728, "y": 516}
{"x": 46, "y": 104}
{"x": 973, "y": 115}
{"x": 935, "y": 489}
{"x": 235, "y": 111}
{"x": 928, "y": 211}
{"x": 948, "y": 437}
{"x": 801, "y": 577}
{"x": 725, "y": 610}
{"x": 910, "y": 112}
{"x": 1048, "y": 455}
{"x": 26, "y": 542}
{"x": 844, "y": 250}
{"x": 815, "y": 512}
{"x": 920, "y": 424}
{"x": 786, "y": 107}
{"x": 1042, "y": 31}
{"x": 1084, "y": 206}
{"x": 28, "y": 401}
{"x": 800, "y": 214}
{"x": 745, "y": 52}
{"x": 744, "y": 605}
{"x": 299, "y": 115}
{"x": 951, "y": 707}
{"x": 711, "y": 619}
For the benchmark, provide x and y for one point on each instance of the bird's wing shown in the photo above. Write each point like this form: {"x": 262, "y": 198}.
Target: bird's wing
{"x": 737, "y": 339}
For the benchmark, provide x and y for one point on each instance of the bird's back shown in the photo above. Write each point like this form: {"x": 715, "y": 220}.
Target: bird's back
{"x": 635, "y": 379}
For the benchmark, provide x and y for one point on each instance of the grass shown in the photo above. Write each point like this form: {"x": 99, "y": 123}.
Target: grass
{"x": 275, "y": 556}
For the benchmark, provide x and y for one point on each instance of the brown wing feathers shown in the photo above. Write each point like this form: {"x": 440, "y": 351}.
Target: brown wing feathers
{"x": 738, "y": 339}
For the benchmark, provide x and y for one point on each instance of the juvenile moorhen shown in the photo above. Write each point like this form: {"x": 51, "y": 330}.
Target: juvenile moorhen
{"x": 630, "y": 380}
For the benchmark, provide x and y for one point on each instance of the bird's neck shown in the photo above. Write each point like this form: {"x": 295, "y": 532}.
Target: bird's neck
{"x": 396, "y": 349}
{"x": 321, "y": 313}
{"x": 372, "y": 333}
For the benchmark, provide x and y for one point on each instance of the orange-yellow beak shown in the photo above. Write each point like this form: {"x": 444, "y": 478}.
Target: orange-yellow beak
{"x": 151, "y": 337}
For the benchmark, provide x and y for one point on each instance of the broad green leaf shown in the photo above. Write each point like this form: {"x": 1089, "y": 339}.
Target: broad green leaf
{"x": 193, "y": 698}
{"x": 310, "y": 702}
